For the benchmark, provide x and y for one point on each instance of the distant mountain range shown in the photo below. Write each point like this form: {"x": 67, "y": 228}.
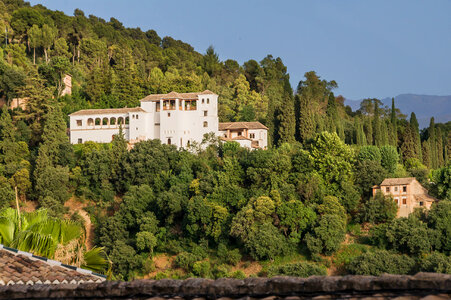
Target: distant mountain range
{"x": 424, "y": 106}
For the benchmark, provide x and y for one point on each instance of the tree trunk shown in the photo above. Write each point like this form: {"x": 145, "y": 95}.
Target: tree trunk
{"x": 34, "y": 55}
{"x": 45, "y": 52}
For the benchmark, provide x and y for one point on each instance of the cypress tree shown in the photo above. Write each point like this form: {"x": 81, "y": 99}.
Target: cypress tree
{"x": 377, "y": 125}
{"x": 368, "y": 131}
{"x": 285, "y": 122}
{"x": 448, "y": 149}
{"x": 394, "y": 126}
{"x": 360, "y": 138}
{"x": 426, "y": 150}
{"x": 440, "y": 160}
{"x": 416, "y": 135}
{"x": 331, "y": 112}
{"x": 433, "y": 143}
{"x": 408, "y": 144}
{"x": 384, "y": 133}
{"x": 307, "y": 124}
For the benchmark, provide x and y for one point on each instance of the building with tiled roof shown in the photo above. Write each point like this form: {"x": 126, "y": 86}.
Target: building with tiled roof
{"x": 19, "y": 267}
{"x": 253, "y": 135}
{"x": 407, "y": 192}
{"x": 179, "y": 119}
{"x": 175, "y": 118}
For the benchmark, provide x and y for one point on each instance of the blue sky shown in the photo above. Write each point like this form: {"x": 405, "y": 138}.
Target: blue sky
{"x": 371, "y": 48}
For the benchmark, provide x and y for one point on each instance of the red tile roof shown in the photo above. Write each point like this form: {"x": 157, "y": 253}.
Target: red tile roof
{"x": 105, "y": 111}
{"x": 241, "y": 125}
{"x": 397, "y": 181}
{"x": 175, "y": 95}
{"x": 18, "y": 267}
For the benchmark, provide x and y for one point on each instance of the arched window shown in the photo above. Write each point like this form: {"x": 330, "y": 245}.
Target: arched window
{"x": 105, "y": 121}
{"x": 120, "y": 121}
{"x": 208, "y": 100}
{"x": 169, "y": 141}
{"x": 97, "y": 121}
{"x": 127, "y": 120}
{"x": 90, "y": 122}
{"x": 113, "y": 121}
{"x": 205, "y": 124}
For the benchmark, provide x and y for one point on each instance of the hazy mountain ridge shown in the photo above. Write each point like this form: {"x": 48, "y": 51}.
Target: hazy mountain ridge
{"x": 424, "y": 106}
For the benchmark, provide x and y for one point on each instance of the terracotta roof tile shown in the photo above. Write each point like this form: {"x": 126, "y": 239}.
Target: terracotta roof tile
{"x": 17, "y": 267}
{"x": 103, "y": 111}
{"x": 397, "y": 181}
{"x": 175, "y": 95}
{"x": 241, "y": 125}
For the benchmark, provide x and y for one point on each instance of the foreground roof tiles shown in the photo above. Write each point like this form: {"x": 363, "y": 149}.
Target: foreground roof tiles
{"x": 18, "y": 267}
{"x": 175, "y": 95}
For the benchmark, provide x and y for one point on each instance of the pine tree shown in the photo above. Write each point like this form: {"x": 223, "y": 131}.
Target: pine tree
{"x": 416, "y": 135}
{"x": 433, "y": 143}
{"x": 408, "y": 144}
{"x": 440, "y": 159}
{"x": 377, "y": 125}
{"x": 394, "y": 127}
{"x": 426, "y": 150}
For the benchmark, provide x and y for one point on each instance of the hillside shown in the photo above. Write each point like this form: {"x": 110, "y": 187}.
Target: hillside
{"x": 424, "y": 106}
{"x": 302, "y": 207}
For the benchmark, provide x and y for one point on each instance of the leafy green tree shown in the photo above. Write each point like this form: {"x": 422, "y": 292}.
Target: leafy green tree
{"x": 48, "y": 38}
{"x": 389, "y": 158}
{"x": 381, "y": 261}
{"x": 406, "y": 235}
{"x": 436, "y": 262}
{"x": 439, "y": 220}
{"x": 370, "y": 153}
{"x": 330, "y": 228}
{"x": 378, "y": 209}
{"x": 367, "y": 174}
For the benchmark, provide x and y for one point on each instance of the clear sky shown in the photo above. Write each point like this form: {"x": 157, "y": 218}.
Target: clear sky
{"x": 372, "y": 48}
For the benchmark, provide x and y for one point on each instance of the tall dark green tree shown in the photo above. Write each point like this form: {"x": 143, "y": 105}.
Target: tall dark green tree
{"x": 408, "y": 144}
{"x": 440, "y": 158}
{"x": 433, "y": 143}
{"x": 416, "y": 135}
{"x": 426, "y": 150}
{"x": 377, "y": 125}
{"x": 394, "y": 125}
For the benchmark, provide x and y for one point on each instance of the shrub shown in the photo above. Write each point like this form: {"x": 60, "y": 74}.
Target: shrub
{"x": 436, "y": 262}
{"x": 379, "y": 262}
{"x": 298, "y": 269}
{"x": 202, "y": 269}
{"x": 185, "y": 260}
{"x": 231, "y": 257}
{"x": 378, "y": 209}
{"x": 370, "y": 153}
{"x": 238, "y": 274}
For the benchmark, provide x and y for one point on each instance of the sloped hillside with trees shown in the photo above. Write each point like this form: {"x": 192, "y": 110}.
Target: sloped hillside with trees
{"x": 302, "y": 207}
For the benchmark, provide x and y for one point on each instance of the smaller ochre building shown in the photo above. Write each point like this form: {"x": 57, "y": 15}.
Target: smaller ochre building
{"x": 408, "y": 194}
{"x": 179, "y": 119}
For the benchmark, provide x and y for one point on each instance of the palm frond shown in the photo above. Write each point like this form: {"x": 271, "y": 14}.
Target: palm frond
{"x": 95, "y": 260}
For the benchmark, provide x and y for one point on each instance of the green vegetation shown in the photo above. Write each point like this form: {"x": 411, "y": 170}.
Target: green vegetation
{"x": 301, "y": 206}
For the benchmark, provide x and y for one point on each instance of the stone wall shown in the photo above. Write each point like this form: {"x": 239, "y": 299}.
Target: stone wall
{"x": 421, "y": 286}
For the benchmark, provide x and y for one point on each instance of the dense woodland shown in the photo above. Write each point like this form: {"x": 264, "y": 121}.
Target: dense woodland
{"x": 302, "y": 207}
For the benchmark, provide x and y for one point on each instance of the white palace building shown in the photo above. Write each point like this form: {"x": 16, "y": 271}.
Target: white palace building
{"x": 175, "y": 118}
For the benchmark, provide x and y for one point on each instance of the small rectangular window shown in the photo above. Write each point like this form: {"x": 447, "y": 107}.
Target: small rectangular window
{"x": 239, "y": 133}
{"x": 396, "y": 188}
{"x": 169, "y": 114}
{"x": 137, "y": 117}
{"x": 404, "y": 201}
{"x": 397, "y": 201}
{"x": 205, "y": 113}
{"x": 404, "y": 189}
{"x": 421, "y": 203}
{"x": 252, "y": 135}
{"x": 387, "y": 189}
{"x": 80, "y": 141}
{"x": 157, "y": 106}
{"x": 79, "y": 122}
